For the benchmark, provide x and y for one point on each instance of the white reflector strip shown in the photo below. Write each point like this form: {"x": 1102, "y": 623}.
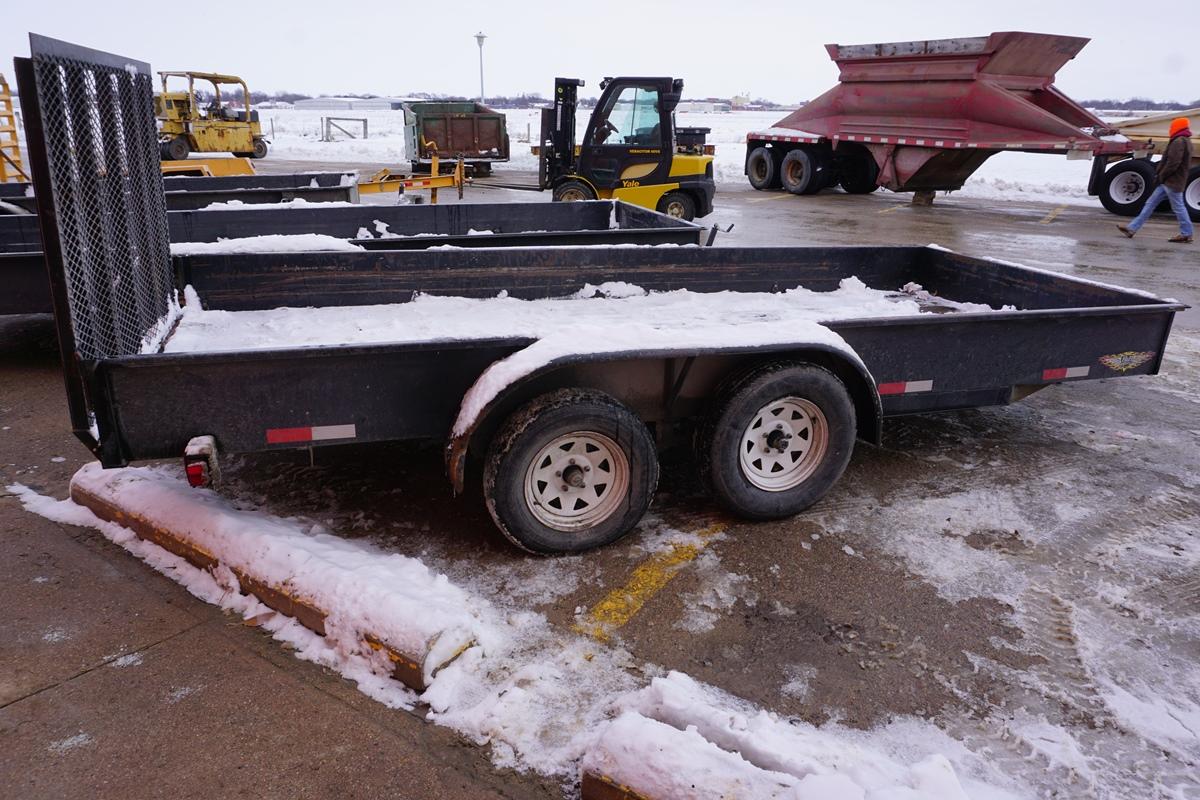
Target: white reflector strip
{"x": 333, "y": 432}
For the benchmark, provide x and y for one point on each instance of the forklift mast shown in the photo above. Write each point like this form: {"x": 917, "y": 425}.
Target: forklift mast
{"x": 558, "y": 133}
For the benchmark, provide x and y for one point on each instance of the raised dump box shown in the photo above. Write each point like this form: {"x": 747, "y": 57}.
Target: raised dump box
{"x": 922, "y": 116}
{"x": 470, "y": 131}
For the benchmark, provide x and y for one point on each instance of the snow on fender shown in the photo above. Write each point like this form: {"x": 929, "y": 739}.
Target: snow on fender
{"x": 631, "y": 341}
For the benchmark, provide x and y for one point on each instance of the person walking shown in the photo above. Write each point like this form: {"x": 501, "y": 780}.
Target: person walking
{"x": 1172, "y": 180}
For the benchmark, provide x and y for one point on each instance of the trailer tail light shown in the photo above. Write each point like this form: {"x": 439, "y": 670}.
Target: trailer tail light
{"x": 200, "y": 462}
{"x": 197, "y": 474}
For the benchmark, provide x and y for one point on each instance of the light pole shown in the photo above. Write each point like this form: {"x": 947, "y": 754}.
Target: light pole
{"x": 479, "y": 37}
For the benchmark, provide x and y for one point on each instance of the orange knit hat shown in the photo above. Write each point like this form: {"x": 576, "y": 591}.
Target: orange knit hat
{"x": 1178, "y": 124}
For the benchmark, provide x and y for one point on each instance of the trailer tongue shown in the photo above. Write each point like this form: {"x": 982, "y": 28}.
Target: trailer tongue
{"x": 923, "y": 116}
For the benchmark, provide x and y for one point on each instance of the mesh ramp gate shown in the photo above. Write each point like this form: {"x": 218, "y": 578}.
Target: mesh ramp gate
{"x": 105, "y": 197}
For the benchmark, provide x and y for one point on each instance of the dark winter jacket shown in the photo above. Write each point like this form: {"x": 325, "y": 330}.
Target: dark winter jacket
{"x": 1175, "y": 163}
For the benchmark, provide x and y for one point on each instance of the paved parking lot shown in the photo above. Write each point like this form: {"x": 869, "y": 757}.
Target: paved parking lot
{"x": 1022, "y": 576}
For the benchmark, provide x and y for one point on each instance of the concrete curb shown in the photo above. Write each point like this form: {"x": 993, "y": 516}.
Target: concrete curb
{"x": 405, "y": 667}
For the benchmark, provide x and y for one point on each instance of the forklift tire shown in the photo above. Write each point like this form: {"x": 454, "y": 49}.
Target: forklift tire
{"x": 779, "y": 437}
{"x": 573, "y": 191}
{"x": 178, "y": 149}
{"x": 762, "y": 170}
{"x": 679, "y": 205}
{"x": 1127, "y": 185}
{"x": 260, "y": 149}
{"x": 801, "y": 173}
{"x": 571, "y": 470}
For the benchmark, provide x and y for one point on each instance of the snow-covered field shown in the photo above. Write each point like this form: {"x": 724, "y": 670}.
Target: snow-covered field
{"x": 1014, "y": 176}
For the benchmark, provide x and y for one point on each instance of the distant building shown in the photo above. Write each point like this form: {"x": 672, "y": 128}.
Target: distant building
{"x": 704, "y": 107}
{"x": 352, "y": 103}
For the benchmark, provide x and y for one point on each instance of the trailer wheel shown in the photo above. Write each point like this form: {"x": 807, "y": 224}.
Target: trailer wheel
{"x": 178, "y": 149}
{"x": 859, "y": 173}
{"x": 1126, "y": 185}
{"x": 1191, "y": 194}
{"x": 762, "y": 169}
{"x": 679, "y": 205}
{"x": 572, "y": 470}
{"x": 779, "y": 438}
{"x": 260, "y": 149}
{"x": 801, "y": 173}
{"x": 571, "y": 191}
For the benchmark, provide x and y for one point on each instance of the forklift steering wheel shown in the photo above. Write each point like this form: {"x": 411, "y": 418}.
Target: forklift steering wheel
{"x": 604, "y": 131}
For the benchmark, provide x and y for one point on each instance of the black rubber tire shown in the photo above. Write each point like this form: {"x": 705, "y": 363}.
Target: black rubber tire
{"x": 801, "y": 172}
{"x": 528, "y": 429}
{"x": 720, "y": 437}
{"x": 1191, "y": 194}
{"x": 481, "y": 169}
{"x": 762, "y": 169}
{"x": 178, "y": 149}
{"x": 679, "y": 205}
{"x": 859, "y": 173}
{"x": 260, "y": 149}
{"x": 572, "y": 190}
{"x": 1122, "y": 205}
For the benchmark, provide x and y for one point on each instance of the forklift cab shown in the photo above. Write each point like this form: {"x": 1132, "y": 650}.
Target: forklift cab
{"x": 629, "y": 139}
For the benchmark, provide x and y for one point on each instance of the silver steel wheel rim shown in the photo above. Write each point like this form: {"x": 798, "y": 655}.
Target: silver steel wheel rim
{"x": 783, "y": 444}
{"x": 675, "y": 209}
{"x": 795, "y": 172}
{"x": 1191, "y": 196}
{"x": 577, "y": 481}
{"x": 1128, "y": 187}
{"x": 573, "y": 196}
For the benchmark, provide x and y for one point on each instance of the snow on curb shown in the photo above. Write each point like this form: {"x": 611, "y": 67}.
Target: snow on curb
{"x": 543, "y": 699}
{"x": 360, "y": 599}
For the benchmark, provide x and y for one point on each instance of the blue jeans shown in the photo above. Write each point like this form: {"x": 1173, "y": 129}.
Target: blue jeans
{"x": 1176, "y": 200}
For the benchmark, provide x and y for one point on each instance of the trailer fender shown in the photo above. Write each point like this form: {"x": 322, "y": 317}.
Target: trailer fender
{"x": 495, "y": 390}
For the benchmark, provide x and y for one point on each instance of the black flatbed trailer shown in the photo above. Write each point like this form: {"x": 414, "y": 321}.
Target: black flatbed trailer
{"x": 775, "y": 419}
{"x": 406, "y": 227}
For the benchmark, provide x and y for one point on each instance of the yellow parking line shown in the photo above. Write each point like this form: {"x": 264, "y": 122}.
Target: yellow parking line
{"x": 775, "y": 196}
{"x": 647, "y": 580}
{"x": 1050, "y": 217}
{"x": 896, "y": 207}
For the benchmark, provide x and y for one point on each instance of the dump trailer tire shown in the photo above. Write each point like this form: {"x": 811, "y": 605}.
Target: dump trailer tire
{"x": 1126, "y": 185}
{"x": 762, "y": 169}
{"x": 679, "y": 205}
{"x": 859, "y": 174}
{"x": 777, "y": 440}
{"x": 260, "y": 149}
{"x": 802, "y": 172}
{"x": 570, "y": 191}
{"x": 178, "y": 148}
{"x": 1191, "y": 194}
{"x": 572, "y": 470}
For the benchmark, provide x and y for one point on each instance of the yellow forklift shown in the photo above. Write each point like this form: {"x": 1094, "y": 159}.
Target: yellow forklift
{"x": 631, "y": 149}
{"x": 184, "y": 127}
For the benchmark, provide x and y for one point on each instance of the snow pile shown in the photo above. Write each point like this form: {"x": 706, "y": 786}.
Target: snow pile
{"x": 543, "y": 699}
{"x": 298, "y": 202}
{"x": 628, "y": 314}
{"x": 268, "y": 243}
{"x": 678, "y": 738}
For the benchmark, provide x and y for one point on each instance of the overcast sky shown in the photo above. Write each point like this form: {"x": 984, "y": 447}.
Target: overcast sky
{"x": 771, "y": 50}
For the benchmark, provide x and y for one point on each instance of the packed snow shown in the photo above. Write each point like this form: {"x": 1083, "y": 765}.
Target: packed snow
{"x": 540, "y": 698}
{"x": 267, "y": 243}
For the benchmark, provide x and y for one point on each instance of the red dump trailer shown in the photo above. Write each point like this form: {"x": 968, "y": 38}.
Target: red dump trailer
{"x": 923, "y": 116}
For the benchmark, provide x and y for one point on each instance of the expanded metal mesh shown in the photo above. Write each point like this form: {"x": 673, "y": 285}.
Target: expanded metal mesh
{"x": 102, "y": 148}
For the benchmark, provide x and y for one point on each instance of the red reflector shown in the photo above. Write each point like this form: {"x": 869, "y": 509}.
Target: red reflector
{"x": 896, "y": 387}
{"x": 285, "y": 435}
{"x": 1054, "y": 374}
{"x": 197, "y": 473}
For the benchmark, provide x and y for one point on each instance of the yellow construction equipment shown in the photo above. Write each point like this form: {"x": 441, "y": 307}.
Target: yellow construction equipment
{"x": 11, "y": 168}
{"x": 385, "y": 181}
{"x": 184, "y": 127}
{"x": 208, "y": 167}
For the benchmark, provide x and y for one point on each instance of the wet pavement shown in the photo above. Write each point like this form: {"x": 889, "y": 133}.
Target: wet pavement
{"x": 1025, "y": 576}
